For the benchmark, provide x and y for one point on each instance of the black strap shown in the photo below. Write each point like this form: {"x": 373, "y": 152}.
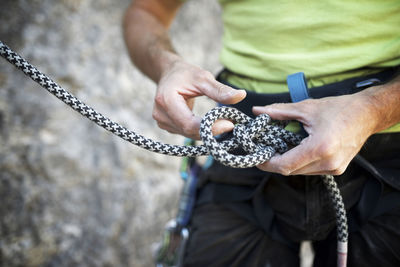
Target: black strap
{"x": 373, "y": 202}
{"x": 348, "y": 86}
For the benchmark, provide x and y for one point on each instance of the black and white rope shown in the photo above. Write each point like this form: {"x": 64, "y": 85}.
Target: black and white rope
{"x": 260, "y": 138}
{"x": 341, "y": 219}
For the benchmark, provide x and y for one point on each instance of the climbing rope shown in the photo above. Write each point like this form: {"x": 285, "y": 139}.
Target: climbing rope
{"x": 260, "y": 138}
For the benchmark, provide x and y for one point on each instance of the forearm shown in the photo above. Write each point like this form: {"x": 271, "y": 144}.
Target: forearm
{"x": 384, "y": 104}
{"x": 146, "y": 36}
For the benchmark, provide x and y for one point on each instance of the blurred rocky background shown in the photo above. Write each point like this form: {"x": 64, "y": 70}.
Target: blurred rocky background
{"x": 72, "y": 194}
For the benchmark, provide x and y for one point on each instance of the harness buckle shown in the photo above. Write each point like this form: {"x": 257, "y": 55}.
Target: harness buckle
{"x": 367, "y": 83}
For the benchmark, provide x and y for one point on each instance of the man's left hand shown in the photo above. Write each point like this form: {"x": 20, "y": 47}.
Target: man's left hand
{"x": 337, "y": 128}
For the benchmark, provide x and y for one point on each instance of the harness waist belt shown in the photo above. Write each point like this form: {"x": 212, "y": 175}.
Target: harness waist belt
{"x": 348, "y": 86}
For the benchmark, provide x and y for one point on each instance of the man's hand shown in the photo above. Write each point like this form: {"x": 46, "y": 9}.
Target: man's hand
{"x": 337, "y": 129}
{"x": 175, "y": 96}
{"x": 146, "y": 24}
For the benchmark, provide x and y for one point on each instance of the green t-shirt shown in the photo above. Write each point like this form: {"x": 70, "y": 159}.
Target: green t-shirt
{"x": 329, "y": 40}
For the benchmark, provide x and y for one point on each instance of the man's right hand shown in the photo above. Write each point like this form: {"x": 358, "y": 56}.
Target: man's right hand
{"x": 175, "y": 96}
{"x": 146, "y": 24}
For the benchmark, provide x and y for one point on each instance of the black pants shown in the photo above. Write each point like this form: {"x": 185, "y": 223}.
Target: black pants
{"x": 247, "y": 217}
{"x": 221, "y": 237}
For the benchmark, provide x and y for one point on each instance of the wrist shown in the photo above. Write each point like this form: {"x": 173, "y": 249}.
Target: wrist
{"x": 167, "y": 60}
{"x": 382, "y": 103}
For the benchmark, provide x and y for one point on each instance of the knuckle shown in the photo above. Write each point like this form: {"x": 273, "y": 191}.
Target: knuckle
{"x": 161, "y": 126}
{"x": 159, "y": 100}
{"x": 203, "y": 76}
{"x": 307, "y": 102}
{"x": 276, "y": 105}
{"x": 187, "y": 129}
{"x": 306, "y": 108}
{"x": 326, "y": 149}
{"x": 338, "y": 171}
{"x": 155, "y": 115}
{"x": 333, "y": 165}
{"x": 219, "y": 89}
{"x": 284, "y": 170}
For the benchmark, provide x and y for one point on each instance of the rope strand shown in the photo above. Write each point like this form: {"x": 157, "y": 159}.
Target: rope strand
{"x": 260, "y": 138}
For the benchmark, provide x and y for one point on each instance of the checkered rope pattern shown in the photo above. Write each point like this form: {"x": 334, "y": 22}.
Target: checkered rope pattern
{"x": 260, "y": 138}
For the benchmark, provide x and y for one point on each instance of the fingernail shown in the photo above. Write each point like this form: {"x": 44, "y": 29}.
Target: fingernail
{"x": 235, "y": 92}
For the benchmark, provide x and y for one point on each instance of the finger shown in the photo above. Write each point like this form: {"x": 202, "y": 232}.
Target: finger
{"x": 165, "y": 122}
{"x": 168, "y": 128}
{"x": 160, "y": 115}
{"x": 182, "y": 117}
{"x": 292, "y": 160}
{"x": 328, "y": 166}
{"x": 287, "y": 111}
{"x": 222, "y": 126}
{"x": 162, "y": 118}
{"x": 168, "y": 123}
{"x": 313, "y": 168}
{"x": 334, "y": 173}
{"x": 222, "y": 93}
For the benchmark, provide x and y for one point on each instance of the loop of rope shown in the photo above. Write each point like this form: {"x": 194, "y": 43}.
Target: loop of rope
{"x": 270, "y": 138}
{"x": 260, "y": 138}
{"x": 257, "y": 137}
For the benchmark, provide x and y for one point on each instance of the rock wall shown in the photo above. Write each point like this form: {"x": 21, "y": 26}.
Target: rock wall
{"x": 72, "y": 194}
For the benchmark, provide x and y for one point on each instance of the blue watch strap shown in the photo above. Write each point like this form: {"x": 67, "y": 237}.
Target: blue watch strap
{"x": 297, "y": 87}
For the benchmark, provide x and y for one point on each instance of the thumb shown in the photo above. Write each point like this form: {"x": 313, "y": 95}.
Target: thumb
{"x": 224, "y": 94}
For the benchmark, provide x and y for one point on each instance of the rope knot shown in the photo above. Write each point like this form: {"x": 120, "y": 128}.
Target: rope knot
{"x": 247, "y": 135}
{"x": 258, "y": 137}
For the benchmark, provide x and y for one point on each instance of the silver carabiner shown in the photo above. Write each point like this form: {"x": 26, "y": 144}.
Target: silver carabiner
{"x": 171, "y": 249}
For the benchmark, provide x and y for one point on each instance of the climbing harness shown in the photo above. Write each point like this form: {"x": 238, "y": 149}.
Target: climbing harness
{"x": 260, "y": 138}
